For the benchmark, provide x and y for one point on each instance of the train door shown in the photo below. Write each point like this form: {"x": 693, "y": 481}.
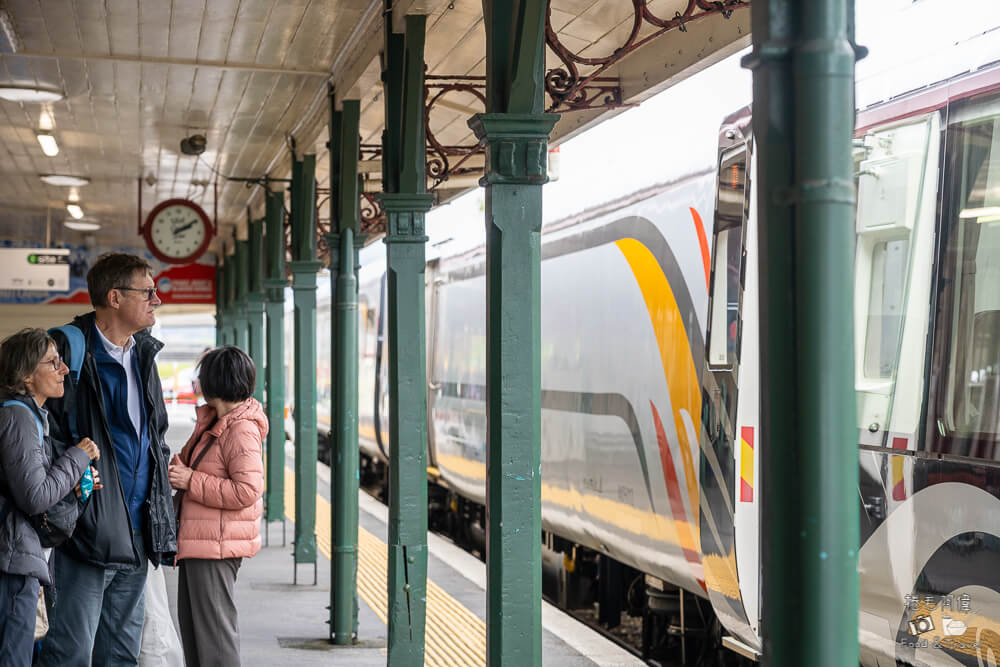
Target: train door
{"x": 730, "y": 518}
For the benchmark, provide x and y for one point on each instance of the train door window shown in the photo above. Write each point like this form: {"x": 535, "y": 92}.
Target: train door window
{"x": 728, "y": 261}
{"x": 965, "y": 399}
{"x": 885, "y": 307}
{"x": 895, "y": 215}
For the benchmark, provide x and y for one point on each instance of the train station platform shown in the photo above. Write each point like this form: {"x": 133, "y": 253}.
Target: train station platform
{"x": 284, "y": 623}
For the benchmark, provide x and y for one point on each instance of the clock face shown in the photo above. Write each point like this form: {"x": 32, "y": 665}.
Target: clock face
{"x": 177, "y": 230}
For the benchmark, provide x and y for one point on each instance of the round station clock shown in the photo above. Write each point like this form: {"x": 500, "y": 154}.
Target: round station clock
{"x": 177, "y": 231}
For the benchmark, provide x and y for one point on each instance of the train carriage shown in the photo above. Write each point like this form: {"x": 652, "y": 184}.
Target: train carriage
{"x": 651, "y": 389}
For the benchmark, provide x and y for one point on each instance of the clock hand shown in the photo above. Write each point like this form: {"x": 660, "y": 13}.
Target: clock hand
{"x": 183, "y": 228}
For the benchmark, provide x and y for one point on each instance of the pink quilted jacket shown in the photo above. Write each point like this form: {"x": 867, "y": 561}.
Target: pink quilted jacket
{"x": 220, "y": 515}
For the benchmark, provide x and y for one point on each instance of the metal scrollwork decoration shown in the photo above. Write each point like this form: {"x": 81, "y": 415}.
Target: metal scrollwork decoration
{"x": 372, "y": 216}
{"x": 322, "y": 227}
{"x": 439, "y": 164}
{"x": 570, "y": 90}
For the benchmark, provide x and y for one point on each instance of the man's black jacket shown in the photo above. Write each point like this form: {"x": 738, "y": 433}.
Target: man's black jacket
{"x": 103, "y": 533}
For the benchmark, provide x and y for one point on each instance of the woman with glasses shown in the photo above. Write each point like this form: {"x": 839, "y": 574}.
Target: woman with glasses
{"x": 31, "y": 482}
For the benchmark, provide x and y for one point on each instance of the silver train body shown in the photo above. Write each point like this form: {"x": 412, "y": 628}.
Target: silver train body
{"x": 650, "y": 378}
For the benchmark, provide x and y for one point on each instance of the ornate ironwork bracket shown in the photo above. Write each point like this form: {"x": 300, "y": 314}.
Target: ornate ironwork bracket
{"x": 372, "y": 216}
{"x": 570, "y": 90}
{"x": 373, "y": 220}
{"x": 440, "y": 156}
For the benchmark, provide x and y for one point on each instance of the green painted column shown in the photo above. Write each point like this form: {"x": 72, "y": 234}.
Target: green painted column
{"x": 230, "y": 274}
{"x": 242, "y": 277}
{"x": 345, "y": 142}
{"x": 255, "y": 302}
{"x": 304, "y": 268}
{"x": 405, "y": 203}
{"x": 803, "y": 63}
{"x": 515, "y": 130}
{"x": 220, "y": 302}
{"x": 274, "y": 284}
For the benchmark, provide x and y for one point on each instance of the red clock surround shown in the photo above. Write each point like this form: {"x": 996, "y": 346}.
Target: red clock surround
{"x": 148, "y": 225}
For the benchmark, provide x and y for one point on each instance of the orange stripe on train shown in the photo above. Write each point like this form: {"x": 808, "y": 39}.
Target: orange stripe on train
{"x": 746, "y": 464}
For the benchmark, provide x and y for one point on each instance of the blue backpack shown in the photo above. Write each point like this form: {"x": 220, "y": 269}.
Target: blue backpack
{"x": 77, "y": 350}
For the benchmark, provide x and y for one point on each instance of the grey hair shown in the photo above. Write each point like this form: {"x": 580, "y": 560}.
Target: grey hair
{"x": 20, "y": 355}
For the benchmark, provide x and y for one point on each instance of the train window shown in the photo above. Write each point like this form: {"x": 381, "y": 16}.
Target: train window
{"x": 885, "y": 307}
{"x": 895, "y": 220}
{"x": 727, "y": 263}
{"x": 966, "y": 399}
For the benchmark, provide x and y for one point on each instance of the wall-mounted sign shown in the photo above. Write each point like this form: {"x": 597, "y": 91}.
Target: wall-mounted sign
{"x": 34, "y": 269}
{"x": 192, "y": 283}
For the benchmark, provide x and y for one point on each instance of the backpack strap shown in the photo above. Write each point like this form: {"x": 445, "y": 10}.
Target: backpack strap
{"x": 38, "y": 421}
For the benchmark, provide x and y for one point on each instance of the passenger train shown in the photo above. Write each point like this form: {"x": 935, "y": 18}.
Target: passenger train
{"x": 651, "y": 383}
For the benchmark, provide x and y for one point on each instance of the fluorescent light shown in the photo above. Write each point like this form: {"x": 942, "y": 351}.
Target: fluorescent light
{"x": 967, "y": 213}
{"x": 48, "y": 144}
{"x": 65, "y": 180}
{"x": 8, "y": 32}
{"x": 82, "y": 225}
{"x": 29, "y": 94}
{"x": 74, "y": 210}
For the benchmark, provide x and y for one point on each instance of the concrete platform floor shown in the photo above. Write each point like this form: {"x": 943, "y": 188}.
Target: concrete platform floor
{"x": 284, "y": 623}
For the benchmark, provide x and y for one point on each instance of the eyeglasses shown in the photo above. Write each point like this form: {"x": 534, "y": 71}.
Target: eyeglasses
{"x": 150, "y": 292}
{"x": 55, "y": 362}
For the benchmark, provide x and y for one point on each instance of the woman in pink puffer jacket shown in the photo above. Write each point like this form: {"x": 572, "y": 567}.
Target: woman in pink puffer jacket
{"x": 221, "y": 473}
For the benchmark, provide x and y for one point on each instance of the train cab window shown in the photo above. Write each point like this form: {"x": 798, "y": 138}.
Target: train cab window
{"x": 967, "y": 342}
{"x": 727, "y": 262}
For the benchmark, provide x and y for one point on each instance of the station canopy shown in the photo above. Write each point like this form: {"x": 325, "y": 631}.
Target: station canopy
{"x": 127, "y": 80}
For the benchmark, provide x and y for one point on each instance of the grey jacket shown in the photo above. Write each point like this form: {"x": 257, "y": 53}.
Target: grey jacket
{"x": 33, "y": 482}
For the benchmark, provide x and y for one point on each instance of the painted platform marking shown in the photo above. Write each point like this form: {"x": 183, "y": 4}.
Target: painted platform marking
{"x": 455, "y": 636}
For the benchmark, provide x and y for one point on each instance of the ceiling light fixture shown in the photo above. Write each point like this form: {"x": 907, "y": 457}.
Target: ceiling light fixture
{"x": 983, "y": 212}
{"x": 7, "y": 32}
{"x": 48, "y": 144}
{"x": 29, "y": 94}
{"x": 64, "y": 180}
{"x": 74, "y": 209}
{"x": 82, "y": 225}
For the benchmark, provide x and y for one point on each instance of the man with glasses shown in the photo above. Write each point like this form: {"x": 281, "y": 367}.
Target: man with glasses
{"x": 100, "y": 573}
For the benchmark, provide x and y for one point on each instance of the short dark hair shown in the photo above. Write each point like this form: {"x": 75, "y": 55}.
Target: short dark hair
{"x": 111, "y": 270}
{"x": 20, "y": 355}
{"x": 227, "y": 373}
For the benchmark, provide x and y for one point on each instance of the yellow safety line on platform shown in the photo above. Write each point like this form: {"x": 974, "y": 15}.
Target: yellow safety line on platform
{"x": 455, "y": 637}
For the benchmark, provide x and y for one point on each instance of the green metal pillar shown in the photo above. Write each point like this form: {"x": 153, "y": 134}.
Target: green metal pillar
{"x": 274, "y": 284}
{"x": 405, "y": 203}
{"x": 255, "y": 301}
{"x": 229, "y": 286}
{"x": 220, "y": 302}
{"x": 803, "y": 122}
{"x": 344, "y": 148}
{"x": 515, "y": 130}
{"x": 304, "y": 268}
{"x": 242, "y": 278}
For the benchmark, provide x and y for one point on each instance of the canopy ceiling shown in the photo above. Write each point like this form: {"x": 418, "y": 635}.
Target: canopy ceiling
{"x": 250, "y": 75}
